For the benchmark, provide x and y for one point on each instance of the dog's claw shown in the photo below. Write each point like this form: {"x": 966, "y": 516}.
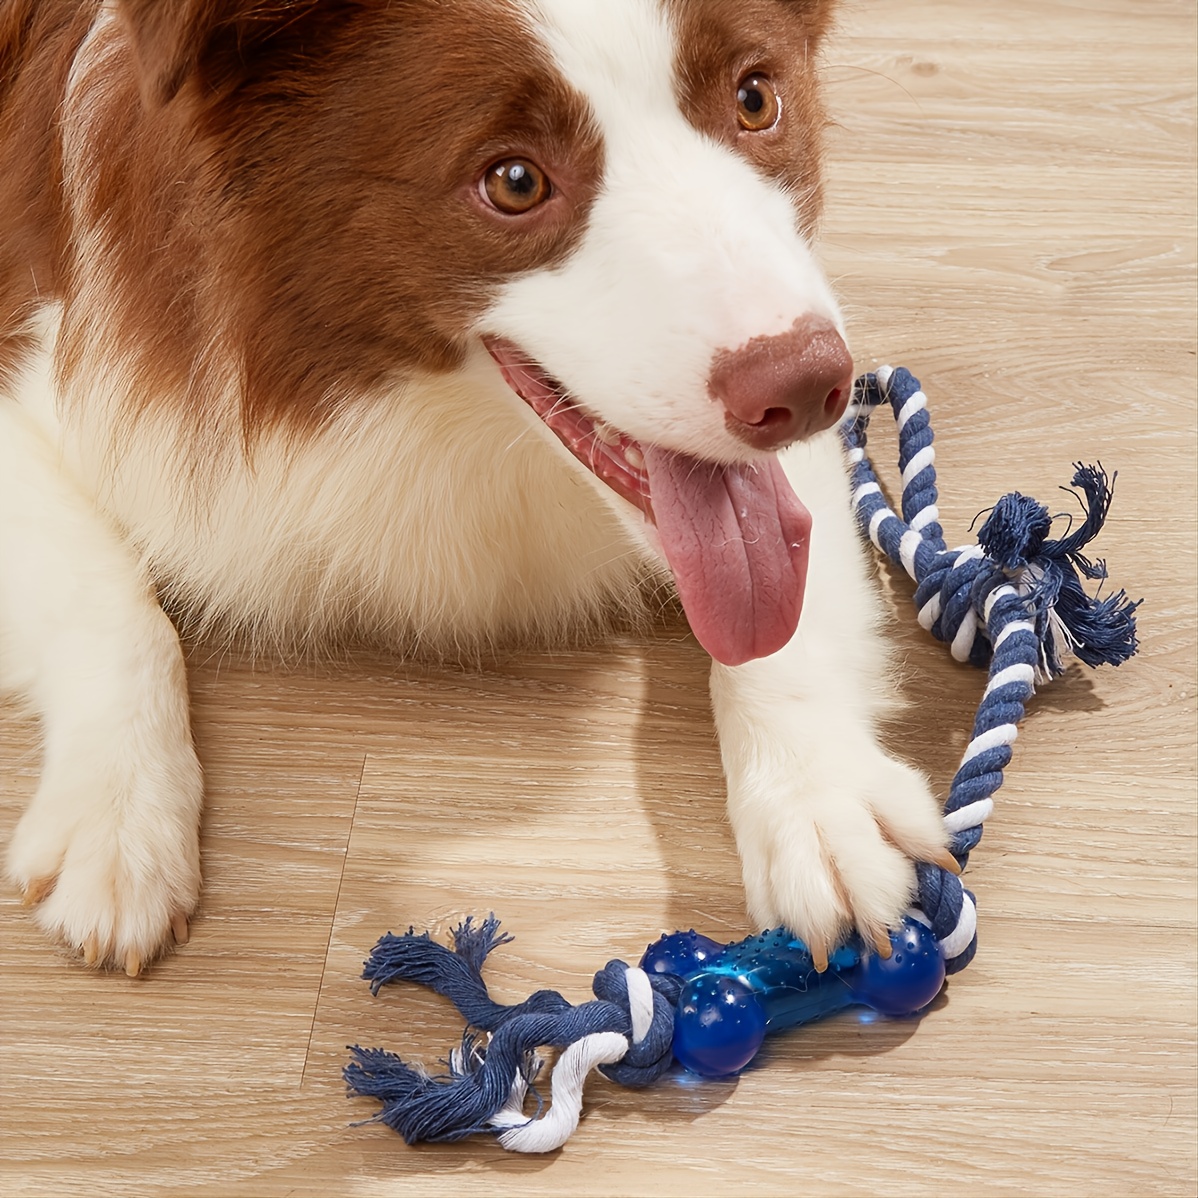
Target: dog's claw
{"x": 180, "y": 929}
{"x": 946, "y": 860}
{"x": 882, "y": 945}
{"x": 133, "y": 963}
{"x": 37, "y": 890}
{"x": 91, "y": 950}
{"x": 819, "y": 957}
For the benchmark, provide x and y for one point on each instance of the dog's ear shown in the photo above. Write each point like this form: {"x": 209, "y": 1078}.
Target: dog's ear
{"x": 174, "y": 40}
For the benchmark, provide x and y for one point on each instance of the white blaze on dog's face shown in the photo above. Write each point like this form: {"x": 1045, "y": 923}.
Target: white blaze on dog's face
{"x": 689, "y": 248}
{"x": 690, "y": 334}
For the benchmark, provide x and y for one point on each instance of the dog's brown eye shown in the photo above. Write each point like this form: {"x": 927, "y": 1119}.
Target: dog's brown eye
{"x": 515, "y": 186}
{"x": 757, "y": 104}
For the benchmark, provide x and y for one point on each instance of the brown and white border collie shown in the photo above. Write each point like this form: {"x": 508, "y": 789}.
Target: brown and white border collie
{"x": 439, "y": 321}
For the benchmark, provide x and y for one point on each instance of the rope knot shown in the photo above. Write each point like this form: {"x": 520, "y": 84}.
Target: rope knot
{"x": 627, "y": 1031}
{"x": 1015, "y": 531}
{"x": 650, "y": 1022}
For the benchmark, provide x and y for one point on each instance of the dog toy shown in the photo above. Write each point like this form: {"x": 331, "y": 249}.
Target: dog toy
{"x": 734, "y": 995}
{"x": 1014, "y": 602}
{"x": 706, "y": 1005}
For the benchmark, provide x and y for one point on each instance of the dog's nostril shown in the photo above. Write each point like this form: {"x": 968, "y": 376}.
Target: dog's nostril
{"x": 837, "y": 400}
{"x": 773, "y": 418}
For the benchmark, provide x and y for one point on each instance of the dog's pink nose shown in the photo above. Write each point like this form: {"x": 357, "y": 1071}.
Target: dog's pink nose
{"x": 778, "y": 389}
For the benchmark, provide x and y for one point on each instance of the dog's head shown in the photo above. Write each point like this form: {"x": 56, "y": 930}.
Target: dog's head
{"x": 613, "y": 196}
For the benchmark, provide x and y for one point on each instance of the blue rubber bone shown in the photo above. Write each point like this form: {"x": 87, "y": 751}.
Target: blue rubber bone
{"x": 734, "y": 995}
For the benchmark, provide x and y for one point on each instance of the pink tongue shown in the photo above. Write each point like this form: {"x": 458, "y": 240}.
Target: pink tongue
{"x": 736, "y": 538}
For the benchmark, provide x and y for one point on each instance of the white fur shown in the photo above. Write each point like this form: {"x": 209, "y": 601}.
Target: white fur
{"x": 447, "y": 516}
{"x": 115, "y": 820}
{"x": 432, "y": 517}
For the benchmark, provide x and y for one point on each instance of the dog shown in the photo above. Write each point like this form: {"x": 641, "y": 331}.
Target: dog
{"x": 443, "y": 324}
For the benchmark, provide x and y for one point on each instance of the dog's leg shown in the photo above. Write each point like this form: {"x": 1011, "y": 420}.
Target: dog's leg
{"x": 826, "y": 822}
{"x": 108, "y": 850}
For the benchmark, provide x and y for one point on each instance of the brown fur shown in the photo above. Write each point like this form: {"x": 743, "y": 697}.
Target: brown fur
{"x": 313, "y": 216}
{"x": 291, "y": 187}
{"x": 720, "y": 43}
{"x": 38, "y": 39}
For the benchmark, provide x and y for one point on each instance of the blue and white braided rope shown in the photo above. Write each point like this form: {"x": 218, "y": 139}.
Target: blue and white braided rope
{"x": 553, "y": 1127}
{"x": 963, "y": 598}
{"x": 626, "y": 1031}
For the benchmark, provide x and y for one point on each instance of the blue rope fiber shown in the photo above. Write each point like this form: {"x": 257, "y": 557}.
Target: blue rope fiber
{"x": 1013, "y": 603}
{"x": 457, "y": 1104}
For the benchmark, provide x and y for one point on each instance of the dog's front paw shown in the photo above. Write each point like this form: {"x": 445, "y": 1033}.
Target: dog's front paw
{"x": 108, "y": 854}
{"x": 828, "y": 847}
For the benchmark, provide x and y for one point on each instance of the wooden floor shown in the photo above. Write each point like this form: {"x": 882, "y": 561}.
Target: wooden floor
{"x": 1012, "y": 215}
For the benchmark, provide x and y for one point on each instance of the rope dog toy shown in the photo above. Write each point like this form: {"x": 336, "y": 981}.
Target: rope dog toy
{"x": 1013, "y": 602}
